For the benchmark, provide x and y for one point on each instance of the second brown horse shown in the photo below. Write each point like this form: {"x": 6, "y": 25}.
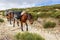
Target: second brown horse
{"x": 21, "y": 18}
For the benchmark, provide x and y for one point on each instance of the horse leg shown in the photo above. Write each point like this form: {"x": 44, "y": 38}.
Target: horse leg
{"x": 18, "y": 23}
{"x": 10, "y": 21}
{"x": 26, "y": 26}
{"x": 7, "y": 19}
{"x": 21, "y": 26}
{"x": 14, "y": 23}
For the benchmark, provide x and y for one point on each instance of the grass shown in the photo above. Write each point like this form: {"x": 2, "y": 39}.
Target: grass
{"x": 1, "y": 20}
{"x": 49, "y": 24}
{"x": 28, "y": 36}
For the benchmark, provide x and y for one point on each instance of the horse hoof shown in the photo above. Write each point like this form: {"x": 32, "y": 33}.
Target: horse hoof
{"x": 13, "y": 26}
{"x": 27, "y": 30}
{"x": 10, "y": 24}
{"x": 22, "y": 30}
{"x": 18, "y": 25}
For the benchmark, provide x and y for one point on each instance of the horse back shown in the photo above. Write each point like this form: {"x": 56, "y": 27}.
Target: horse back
{"x": 17, "y": 14}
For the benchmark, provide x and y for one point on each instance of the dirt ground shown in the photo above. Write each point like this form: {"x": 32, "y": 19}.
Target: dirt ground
{"x": 7, "y": 31}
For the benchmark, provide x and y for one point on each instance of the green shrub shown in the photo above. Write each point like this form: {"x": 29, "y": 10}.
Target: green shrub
{"x": 44, "y": 15}
{"x": 56, "y": 14}
{"x": 49, "y": 24}
{"x": 28, "y": 36}
{"x": 1, "y": 20}
{"x": 35, "y": 16}
{"x": 3, "y": 14}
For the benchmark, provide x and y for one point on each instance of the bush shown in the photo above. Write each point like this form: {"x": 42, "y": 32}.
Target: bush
{"x": 49, "y": 24}
{"x": 35, "y": 16}
{"x": 28, "y": 36}
{"x": 56, "y": 14}
{"x": 1, "y": 20}
{"x": 3, "y": 14}
{"x": 44, "y": 15}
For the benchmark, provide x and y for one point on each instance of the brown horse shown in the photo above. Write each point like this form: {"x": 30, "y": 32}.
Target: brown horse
{"x": 13, "y": 16}
{"x": 22, "y": 18}
{"x": 10, "y": 16}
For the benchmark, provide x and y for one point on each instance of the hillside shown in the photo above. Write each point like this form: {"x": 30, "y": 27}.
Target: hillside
{"x": 42, "y": 11}
{"x": 37, "y": 9}
{"x": 48, "y": 16}
{"x": 50, "y": 7}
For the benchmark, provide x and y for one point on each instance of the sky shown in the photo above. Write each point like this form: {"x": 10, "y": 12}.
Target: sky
{"x": 7, "y": 4}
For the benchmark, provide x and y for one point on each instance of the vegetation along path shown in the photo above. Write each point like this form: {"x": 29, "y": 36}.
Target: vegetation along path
{"x": 7, "y": 31}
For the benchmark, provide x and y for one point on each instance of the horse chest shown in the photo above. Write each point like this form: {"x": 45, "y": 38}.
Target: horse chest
{"x": 23, "y": 18}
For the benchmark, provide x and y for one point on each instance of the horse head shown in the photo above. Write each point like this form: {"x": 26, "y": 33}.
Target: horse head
{"x": 30, "y": 18}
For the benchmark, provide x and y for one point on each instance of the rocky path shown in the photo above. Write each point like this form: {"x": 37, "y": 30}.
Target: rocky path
{"x": 7, "y": 32}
